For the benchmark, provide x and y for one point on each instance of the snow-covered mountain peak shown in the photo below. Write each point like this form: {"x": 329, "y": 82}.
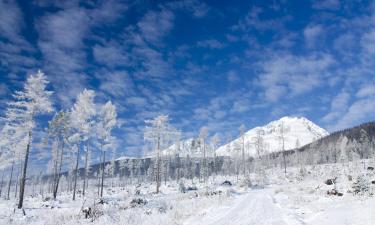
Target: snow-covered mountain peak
{"x": 297, "y": 131}
{"x": 184, "y": 148}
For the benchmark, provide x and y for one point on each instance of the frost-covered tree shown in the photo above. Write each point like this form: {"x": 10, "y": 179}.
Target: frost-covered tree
{"x": 214, "y": 144}
{"x": 13, "y": 142}
{"x": 202, "y": 138}
{"x": 75, "y": 151}
{"x": 113, "y": 160}
{"x": 58, "y": 130}
{"x": 32, "y": 101}
{"x": 298, "y": 153}
{"x": 159, "y": 133}
{"x": 122, "y": 167}
{"x": 82, "y": 119}
{"x": 259, "y": 145}
{"x": 242, "y": 138}
{"x": 282, "y": 130}
{"x": 106, "y": 122}
{"x": 7, "y": 152}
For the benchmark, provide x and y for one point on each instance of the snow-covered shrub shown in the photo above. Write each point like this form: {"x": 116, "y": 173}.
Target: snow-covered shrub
{"x": 334, "y": 192}
{"x": 361, "y": 185}
{"x": 302, "y": 173}
{"x": 279, "y": 190}
{"x": 246, "y": 182}
{"x": 330, "y": 181}
{"x": 93, "y": 212}
{"x": 182, "y": 187}
{"x": 163, "y": 207}
{"x": 137, "y": 202}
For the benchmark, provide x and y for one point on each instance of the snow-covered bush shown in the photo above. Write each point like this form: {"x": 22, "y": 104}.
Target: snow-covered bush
{"x": 361, "y": 185}
{"x": 246, "y": 182}
{"x": 182, "y": 187}
{"x": 302, "y": 173}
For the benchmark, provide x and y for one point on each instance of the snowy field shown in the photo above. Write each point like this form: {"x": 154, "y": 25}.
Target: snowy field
{"x": 298, "y": 198}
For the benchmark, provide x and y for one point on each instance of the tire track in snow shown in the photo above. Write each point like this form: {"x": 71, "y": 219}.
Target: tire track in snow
{"x": 254, "y": 208}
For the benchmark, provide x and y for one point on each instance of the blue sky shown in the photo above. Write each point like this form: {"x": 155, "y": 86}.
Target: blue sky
{"x": 214, "y": 63}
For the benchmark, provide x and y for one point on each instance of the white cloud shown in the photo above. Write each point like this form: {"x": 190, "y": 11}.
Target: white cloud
{"x": 357, "y": 113}
{"x": 366, "y": 90}
{"x": 139, "y": 102}
{"x": 110, "y": 55}
{"x": 241, "y": 106}
{"x": 196, "y": 8}
{"x": 368, "y": 42}
{"x": 66, "y": 28}
{"x": 13, "y": 45}
{"x": 11, "y": 20}
{"x": 155, "y": 25}
{"x": 3, "y": 89}
{"x": 253, "y": 20}
{"x": 62, "y": 36}
{"x": 232, "y": 76}
{"x": 117, "y": 84}
{"x": 345, "y": 44}
{"x": 211, "y": 43}
{"x": 289, "y": 75}
{"x": 326, "y": 4}
{"x": 339, "y": 105}
{"x": 312, "y": 34}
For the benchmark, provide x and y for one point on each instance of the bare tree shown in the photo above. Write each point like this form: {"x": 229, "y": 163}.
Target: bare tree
{"x": 107, "y": 121}
{"x": 82, "y": 118}
{"x": 242, "y": 137}
{"x": 159, "y": 133}
{"x": 214, "y": 143}
{"x": 58, "y": 130}
{"x": 202, "y": 137}
{"x": 282, "y": 130}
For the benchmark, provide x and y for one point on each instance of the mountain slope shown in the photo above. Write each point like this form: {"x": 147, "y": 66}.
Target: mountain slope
{"x": 297, "y": 128}
{"x": 350, "y": 144}
{"x": 186, "y": 147}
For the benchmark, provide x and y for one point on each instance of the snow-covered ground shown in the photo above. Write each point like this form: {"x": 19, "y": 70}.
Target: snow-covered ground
{"x": 300, "y": 197}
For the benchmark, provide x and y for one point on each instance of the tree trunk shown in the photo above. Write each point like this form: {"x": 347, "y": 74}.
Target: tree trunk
{"x": 284, "y": 159}
{"x": 243, "y": 155}
{"x": 102, "y": 181}
{"x": 10, "y": 179}
{"x": 85, "y": 174}
{"x": 204, "y": 162}
{"x": 100, "y": 170}
{"x": 158, "y": 167}
{"x": 23, "y": 178}
{"x": 18, "y": 175}
{"x": 1, "y": 185}
{"x": 56, "y": 187}
{"x": 75, "y": 176}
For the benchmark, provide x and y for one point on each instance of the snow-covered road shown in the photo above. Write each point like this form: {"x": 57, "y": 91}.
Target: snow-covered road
{"x": 256, "y": 207}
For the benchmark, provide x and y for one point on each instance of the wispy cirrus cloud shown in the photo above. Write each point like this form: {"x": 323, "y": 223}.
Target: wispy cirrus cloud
{"x": 13, "y": 44}
{"x": 211, "y": 43}
{"x": 63, "y": 37}
{"x": 289, "y": 75}
{"x": 326, "y": 4}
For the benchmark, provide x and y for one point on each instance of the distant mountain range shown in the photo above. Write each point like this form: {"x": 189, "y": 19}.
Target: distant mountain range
{"x": 295, "y": 128}
{"x": 298, "y": 131}
{"x": 316, "y": 145}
